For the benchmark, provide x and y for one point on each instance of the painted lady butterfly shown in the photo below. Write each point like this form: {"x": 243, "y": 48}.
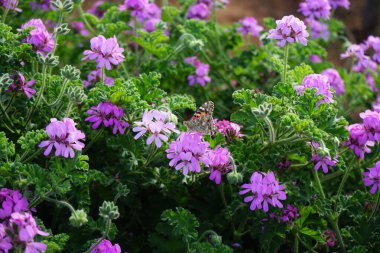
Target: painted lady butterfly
{"x": 202, "y": 121}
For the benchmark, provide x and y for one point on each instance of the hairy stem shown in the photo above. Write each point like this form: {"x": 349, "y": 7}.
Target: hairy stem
{"x": 6, "y": 11}
{"x": 84, "y": 19}
{"x": 272, "y": 131}
{"x": 286, "y": 52}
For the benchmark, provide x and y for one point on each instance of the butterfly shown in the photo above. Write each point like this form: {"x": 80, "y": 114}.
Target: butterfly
{"x": 202, "y": 121}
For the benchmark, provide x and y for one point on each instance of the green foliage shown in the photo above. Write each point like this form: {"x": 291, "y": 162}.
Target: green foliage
{"x": 7, "y": 148}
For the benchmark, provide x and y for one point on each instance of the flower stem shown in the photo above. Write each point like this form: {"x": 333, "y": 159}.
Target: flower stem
{"x": 30, "y": 114}
{"x": 60, "y": 93}
{"x": 105, "y": 235}
{"x": 318, "y": 183}
{"x": 286, "y": 52}
{"x": 6, "y": 11}
{"x": 272, "y": 131}
{"x": 85, "y": 21}
{"x": 2, "y": 109}
{"x": 296, "y": 243}
{"x": 60, "y": 202}
{"x": 30, "y": 157}
{"x": 103, "y": 74}
{"x": 68, "y": 110}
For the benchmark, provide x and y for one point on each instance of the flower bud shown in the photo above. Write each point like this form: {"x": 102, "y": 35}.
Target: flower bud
{"x": 63, "y": 29}
{"x": 109, "y": 211}
{"x": 68, "y": 6}
{"x": 216, "y": 240}
{"x": 71, "y": 73}
{"x": 263, "y": 110}
{"x": 5, "y": 80}
{"x": 234, "y": 177}
{"x": 48, "y": 60}
{"x": 76, "y": 94}
{"x": 78, "y": 218}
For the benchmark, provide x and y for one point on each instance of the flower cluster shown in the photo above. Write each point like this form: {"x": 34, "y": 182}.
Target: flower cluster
{"x": 41, "y": 4}
{"x": 265, "y": 190}
{"x": 106, "y": 246}
{"x": 79, "y": 27}
{"x": 339, "y": 3}
{"x": 158, "y": 124}
{"x": 249, "y": 25}
{"x": 188, "y": 152}
{"x": 321, "y": 157}
{"x": 95, "y": 10}
{"x": 13, "y": 5}
{"x": 17, "y": 225}
{"x": 95, "y": 76}
{"x": 20, "y": 84}
{"x": 220, "y": 162}
{"x": 229, "y": 129}
{"x": 329, "y": 238}
{"x": 64, "y": 137}
{"x": 105, "y": 52}
{"x": 289, "y": 30}
{"x": 318, "y": 29}
{"x": 372, "y": 177}
{"x": 335, "y": 80}
{"x": 315, "y": 9}
{"x": 109, "y": 115}
{"x": 320, "y": 83}
{"x": 201, "y": 72}
{"x": 198, "y": 11}
{"x": 289, "y": 214}
{"x": 358, "y": 141}
{"x": 41, "y": 40}
{"x": 373, "y": 43}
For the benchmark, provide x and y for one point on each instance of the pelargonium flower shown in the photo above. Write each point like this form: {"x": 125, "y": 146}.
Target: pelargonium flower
{"x": 371, "y": 82}
{"x": 79, "y": 27}
{"x": 26, "y": 230}
{"x": 329, "y": 238}
{"x": 106, "y": 246}
{"x": 319, "y": 30}
{"x": 315, "y": 9}
{"x": 376, "y": 104}
{"x": 198, "y": 11}
{"x": 5, "y": 240}
{"x": 201, "y": 72}
{"x": 64, "y": 137}
{"x": 135, "y": 6}
{"x": 289, "y": 214}
{"x": 374, "y": 43}
{"x": 105, "y": 52}
{"x": 13, "y": 5}
{"x": 322, "y": 158}
{"x": 41, "y": 4}
{"x": 265, "y": 190}
{"x": 249, "y": 25}
{"x": 336, "y": 81}
{"x": 372, "y": 177}
{"x": 95, "y": 10}
{"x": 41, "y": 40}
{"x": 20, "y": 84}
{"x": 187, "y": 153}
{"x": 353, "y": 50}
{"x": 339, "y": 3}
{"x": 371, "y": 122}
{"x": 152, "y": 11}
{"x": 359, "y": 141}
{"x": 95, "y": 76}
{"x": 229, "y": 129}
{"x": 158, "y": 124}
{"x": 11, "y": 201}
{"x": 364, "y": 64}
{"x": 150, "y": 24}
{"x": 220, "y": 162}
{"x": 107, "y": 114}
{"x": 315, "y": 58}
{"x": 289, "y": 30}
{"x": 320, "y": 83}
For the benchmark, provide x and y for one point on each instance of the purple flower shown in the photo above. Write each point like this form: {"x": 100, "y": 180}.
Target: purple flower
{"x": 371, "y": 122}
{"x": 95, "y": 10}
{"x": 198, "y": 11}
{"x": 359, "y": 140}
{"x": 265, "y": 190}
{"x": 41, "y": 40}
{"x": 315, "y": 9}
{"x": 152, "y": 11}
{"x": 376, "y": 104}
{"x": 336, "y": 81}
{"x": 354, "y": 50}
{"x": 201, "y": 72}
{"x": 339, "y": 3}
{"x": 249, "y": 25}
{"x": 315, "y": 58}
{"x": 13, "y": 6}
{"x": 329, "y": 238}
{"x": 5, "y": 240}
{"x": 95, "y": 76}
{"x": 289, "y": 214}
{"x": 11, "y": 201}
{"x": 41, "y": 4}
{"x": 188, "y": 152}
{"x": 289, "y": 30}
{"x": 108, "y": 114}
{"x": 26, "y": 226}
{"x": 364, "y": 64}
{"x": 105, "y": 52}
{"x": 320, "y": 83}
{"x": 372, "y": 177}
{"x": 374, "y": 44}
{"x": 158, "y": 124}
{"x": 229, "y": 129}
{"x": 79, "y": 27}
{"x": 321, "y": 157}
{"x": 64, "y": 137}
{"x": 150, "y": 24}
{"x": 220, "y": 162}
{"x": 20, "y": 84}
{"x": 371, "y": 82}
{"x": 106, "y": 246}
{"x": 319, "y": 30}
{"x": 136, "y": 7}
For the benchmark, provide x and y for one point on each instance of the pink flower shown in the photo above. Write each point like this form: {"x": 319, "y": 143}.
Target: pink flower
{"x": 11, "y": 201}
{"x": 315, "y": 9}
{"x": 64, "y": 137}
{"x": 372, "y": 177}
{"x": 289, "y": 30}
{"x": 329, "y": 238}
{"x": 249, "y": 25}
{"x": 95, "y": 76}
{"x": 105, "y": 52}
{"x": 335, "y": 80}
{"x": 41, "y": 40}
{"x": 79, "y": 27}
{"x": 322, "y": 158}
{"x": 354, "y": 50}
{"x": 106, "y": 246}
{"x": 20, "y": 84}
{"x": 340, "y": 3}
{"x": 201, "y": 72}
{"x": 198, "y": 11}
{"x": 371, "y": 122}
{"x": 220, "y": 163}
{"x": 359, "y": 141}
{"x": 229, "y": 129}
{"x": 320, "y": 83}
{"x": 26, "y": 227}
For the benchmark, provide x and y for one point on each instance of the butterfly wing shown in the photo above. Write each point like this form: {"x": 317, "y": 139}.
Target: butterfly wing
{"x": 202, "y": 121}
